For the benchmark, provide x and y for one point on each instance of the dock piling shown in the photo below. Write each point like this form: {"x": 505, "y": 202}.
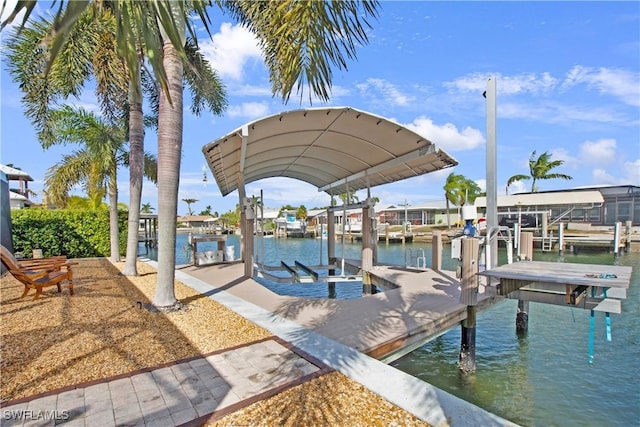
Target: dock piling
{"x": 526, "y": 254}
{"x": 469, "y": 297}
{"x": 616, "y": 238}
{"x": 467, "y": 361}
{"x": 436, "y": 251}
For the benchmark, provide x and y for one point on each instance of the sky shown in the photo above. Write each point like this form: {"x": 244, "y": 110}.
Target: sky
{"x": 568, "y": 83}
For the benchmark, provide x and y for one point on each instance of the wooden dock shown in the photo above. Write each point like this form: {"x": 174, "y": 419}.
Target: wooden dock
{"x": 574, "y": 243}
{"x": 588, "y": 286}
{"x": 424, "y": 304}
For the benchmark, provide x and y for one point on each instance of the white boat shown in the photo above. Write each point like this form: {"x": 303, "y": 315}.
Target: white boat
{"x": 354, "y": 226}
{"x": 288, "y": 220}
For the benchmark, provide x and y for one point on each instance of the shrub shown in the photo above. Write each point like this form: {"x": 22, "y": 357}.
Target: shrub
{"x": 72, "y": 232}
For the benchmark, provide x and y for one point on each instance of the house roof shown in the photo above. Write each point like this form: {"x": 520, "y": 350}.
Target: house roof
{"x": 15, "y": 174}
{"x": 194, "y": 218}
{"x": 19, "y": 198}
{"x": 336, "y": 149}
{"x": 586, "y": 198}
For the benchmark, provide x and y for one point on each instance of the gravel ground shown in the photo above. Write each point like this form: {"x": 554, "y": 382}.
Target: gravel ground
{"x": 101, "y": 331}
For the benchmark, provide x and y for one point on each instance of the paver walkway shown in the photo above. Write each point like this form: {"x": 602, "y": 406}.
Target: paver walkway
{"x": 174, "y": 394}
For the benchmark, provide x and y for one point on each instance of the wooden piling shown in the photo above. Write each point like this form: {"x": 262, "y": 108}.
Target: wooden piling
{"x": 525, "y": 250}
{"x": 436, "y": 251}
{"x": 469, "y": 297}
{"x": 526, "y": 254}
{"x": 331, "y": 241}
{"x": 367, "y": 242}
{"x": 522, "y": 317}
{"x": 469, "y": 281}
{"x": 247, "y": 238}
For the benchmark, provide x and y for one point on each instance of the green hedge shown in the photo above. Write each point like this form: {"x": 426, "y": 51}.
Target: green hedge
{"x": 71, "y": 232}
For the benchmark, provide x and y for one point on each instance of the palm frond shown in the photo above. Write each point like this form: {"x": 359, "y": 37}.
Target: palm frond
{"x": 207, "y": 89}
{"x": 303, "y": 41}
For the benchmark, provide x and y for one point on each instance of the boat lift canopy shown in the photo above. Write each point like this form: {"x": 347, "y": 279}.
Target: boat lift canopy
{"x": 336, "y": 149}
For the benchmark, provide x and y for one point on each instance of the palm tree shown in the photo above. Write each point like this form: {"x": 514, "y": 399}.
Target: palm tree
{"x": 95, "y": 165}
{"x": 147, "y": 208}
{"x": 136, "y": 29}
{"x": 349, "y": 198}
{"x": 189, "y": 202}
{"x": 207, "y": 211}
{"x": 95, "y": 39}
{"x": 459, "y": 190}
{"x": 302, "y": 42}
{"x": 539, "y": 169}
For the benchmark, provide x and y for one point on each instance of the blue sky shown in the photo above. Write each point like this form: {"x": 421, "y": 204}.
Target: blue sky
{"x": 568, "y": 76}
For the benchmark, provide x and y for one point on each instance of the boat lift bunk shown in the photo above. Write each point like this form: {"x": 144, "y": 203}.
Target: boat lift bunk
{"x": 301, "y": 273}
{"x": 309, "y": 276}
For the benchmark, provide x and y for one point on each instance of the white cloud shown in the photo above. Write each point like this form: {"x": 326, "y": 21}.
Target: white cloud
{"x": 251, "y": 110}
{"x": 562, "y": 154}
{"x": 506, "y": 85}
{"x": 447, "y": 136}
{"x": 230, "y": 50}
{"x": 622, "y": 84}
{"x": 519, "y": 187}
{"x": 281, "y": 191}
{"x": 601, "y": 152}
{"x": 631, "y": 172}
{"x": 602, "y": 177}
{"x": 391, "y": 94}
{"x": 250, "y": 90}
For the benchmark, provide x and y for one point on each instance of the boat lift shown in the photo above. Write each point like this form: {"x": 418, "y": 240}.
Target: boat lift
{"x": 301, "y": 273}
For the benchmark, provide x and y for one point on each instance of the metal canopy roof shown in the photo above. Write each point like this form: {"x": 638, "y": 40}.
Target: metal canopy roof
{"x": 336, "y": 149}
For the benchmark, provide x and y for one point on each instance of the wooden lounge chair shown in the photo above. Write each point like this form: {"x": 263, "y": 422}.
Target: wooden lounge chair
{"x": 39, "y": 273}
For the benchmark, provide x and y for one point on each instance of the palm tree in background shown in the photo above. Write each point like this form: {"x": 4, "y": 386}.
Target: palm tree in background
{"x": 459, "y": 190}
{"x": 302, "y": 43}
{"x": 349, "y": 198}
{"x": 147, "y": 208}
{"x": 189, "y": 202}
{"x": 539, "y": 169}
{"x": 94, "y": 165}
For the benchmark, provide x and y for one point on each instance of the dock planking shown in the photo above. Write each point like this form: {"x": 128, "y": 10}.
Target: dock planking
{"x": 590, "y": 286}
{"x": 563, "y": 273}
{"x": 422, "y": 305}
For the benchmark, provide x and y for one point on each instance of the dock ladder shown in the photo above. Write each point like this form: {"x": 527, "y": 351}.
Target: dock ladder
{"x": 547, "y": 242}
{"x": 419, "y": 261}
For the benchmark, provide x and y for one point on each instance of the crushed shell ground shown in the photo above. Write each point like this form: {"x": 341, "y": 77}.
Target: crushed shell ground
{"x": 105, "y": 330}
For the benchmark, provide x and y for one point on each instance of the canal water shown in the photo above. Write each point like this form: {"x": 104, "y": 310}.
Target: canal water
{"x": 543, "y": 379}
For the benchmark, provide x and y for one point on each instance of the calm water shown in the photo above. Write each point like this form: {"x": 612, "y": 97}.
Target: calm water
{"x": 543, "y": 379}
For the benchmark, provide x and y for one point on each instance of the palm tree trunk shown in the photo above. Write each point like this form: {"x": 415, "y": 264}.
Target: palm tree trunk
{"x": 136, "y": 171}
{"x": 448, "y": 214}
{"x": 169, "y": 155}
{"x": 114, "y": 234}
